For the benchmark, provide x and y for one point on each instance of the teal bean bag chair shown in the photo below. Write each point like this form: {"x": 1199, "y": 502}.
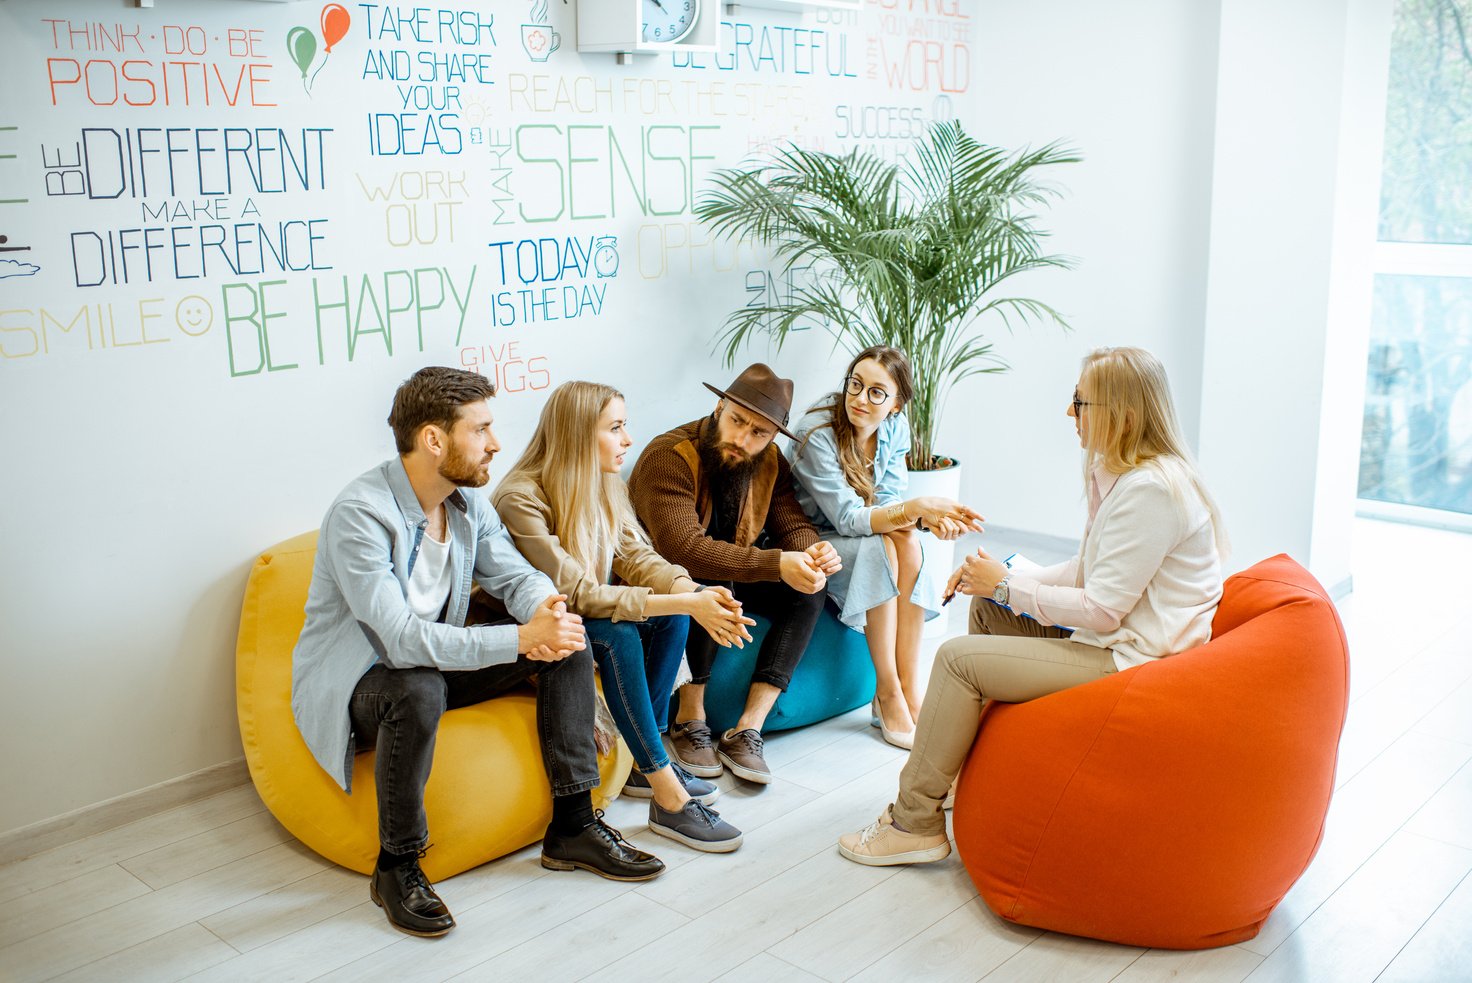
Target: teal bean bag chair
{"x": 834, "y": 676}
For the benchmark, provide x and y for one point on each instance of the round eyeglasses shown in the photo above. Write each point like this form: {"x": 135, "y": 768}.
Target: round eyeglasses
{"x": 855, "y": 385}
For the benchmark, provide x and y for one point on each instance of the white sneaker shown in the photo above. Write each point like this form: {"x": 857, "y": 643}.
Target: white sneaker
{"x": 882, "y": 844}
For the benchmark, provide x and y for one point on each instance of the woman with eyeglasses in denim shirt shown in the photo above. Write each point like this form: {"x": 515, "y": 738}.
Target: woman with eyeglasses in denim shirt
{"x": 848, "y": 462}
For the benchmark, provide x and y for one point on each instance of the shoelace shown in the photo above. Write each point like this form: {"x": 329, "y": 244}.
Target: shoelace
{"x": 608, "y": 831}
{"x": 870, "y": 831}
{"x": 748, "y": 740}
{"x": 684, "y": 776}
{"x": 699, "y": 737}
{"x": 414, "y": 876}
{"x": 704, "y": 813}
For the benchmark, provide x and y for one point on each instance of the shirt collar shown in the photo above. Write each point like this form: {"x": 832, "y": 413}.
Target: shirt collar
{"x": 408, "y": 502}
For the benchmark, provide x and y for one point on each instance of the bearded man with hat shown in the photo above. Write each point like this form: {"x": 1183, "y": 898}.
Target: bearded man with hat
{"x": 716, "y": 498}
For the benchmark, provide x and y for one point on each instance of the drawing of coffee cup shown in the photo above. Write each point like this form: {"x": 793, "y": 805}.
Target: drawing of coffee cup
{"x": 539, "y": 41}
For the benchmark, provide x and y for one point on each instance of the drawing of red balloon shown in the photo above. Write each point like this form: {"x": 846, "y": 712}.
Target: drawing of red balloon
{"x": 302, "y": 45}
{"x": 335, "y": 21}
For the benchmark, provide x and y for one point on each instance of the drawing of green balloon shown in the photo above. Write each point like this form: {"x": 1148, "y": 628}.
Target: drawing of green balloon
{"x": 302, "y": 44}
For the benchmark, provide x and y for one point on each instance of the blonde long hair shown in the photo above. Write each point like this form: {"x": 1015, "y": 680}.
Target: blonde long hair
{"x": 1132, "y": 424}
{"x": 591, "y": 513}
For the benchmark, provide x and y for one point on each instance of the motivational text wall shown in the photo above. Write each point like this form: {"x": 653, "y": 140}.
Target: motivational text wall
{"x": 228, "y": 229}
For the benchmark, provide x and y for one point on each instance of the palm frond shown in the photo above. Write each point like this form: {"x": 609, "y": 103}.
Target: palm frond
{"x": 909, "y": 255}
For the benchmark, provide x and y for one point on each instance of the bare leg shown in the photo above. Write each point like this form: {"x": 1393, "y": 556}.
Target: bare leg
{"x": 668, "y": 792}
{"x": 692, "y": 703}
{"x": 759, "y": 702}
{"x": 910, "y": 617}
{"x": 880, "y": 634}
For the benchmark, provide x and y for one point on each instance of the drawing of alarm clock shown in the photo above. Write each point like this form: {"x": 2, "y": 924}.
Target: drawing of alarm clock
{"x": 605, "y": 256}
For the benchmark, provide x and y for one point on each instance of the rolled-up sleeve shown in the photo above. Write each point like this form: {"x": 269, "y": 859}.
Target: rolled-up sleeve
{"x": 816, "y": 465}
{"x": 894, "y": 477}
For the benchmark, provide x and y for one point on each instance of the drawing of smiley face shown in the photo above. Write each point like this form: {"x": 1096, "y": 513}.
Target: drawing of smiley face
{"x": 194, "y": 315}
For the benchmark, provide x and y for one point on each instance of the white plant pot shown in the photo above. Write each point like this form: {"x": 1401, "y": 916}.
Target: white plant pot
{"x": 940, "y": 555}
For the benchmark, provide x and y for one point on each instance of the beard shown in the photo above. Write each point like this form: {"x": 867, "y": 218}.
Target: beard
{"x": 728, "y": 482}
{"x": 462, "y": 472}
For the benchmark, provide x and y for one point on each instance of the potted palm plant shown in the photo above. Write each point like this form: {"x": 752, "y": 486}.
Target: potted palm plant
{"x": 909, "y": 255}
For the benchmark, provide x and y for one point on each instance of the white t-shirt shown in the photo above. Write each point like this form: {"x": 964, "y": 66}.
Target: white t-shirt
{"x": 429, "y": 581}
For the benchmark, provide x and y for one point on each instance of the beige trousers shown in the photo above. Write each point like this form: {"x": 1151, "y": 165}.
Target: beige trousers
{"x": 1006, "y": 657}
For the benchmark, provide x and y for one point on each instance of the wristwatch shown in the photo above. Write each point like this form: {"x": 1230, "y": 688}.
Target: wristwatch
{"x": 1002, "y": 593}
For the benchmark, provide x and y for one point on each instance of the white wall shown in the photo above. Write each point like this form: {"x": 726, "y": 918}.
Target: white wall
{"x": 1293, "y": 203}
{"x": 143, "y": 472}
{"x": 142, "y": 479}
{"x": 1223, "y": 218}
{"x": 1132, "y": 86}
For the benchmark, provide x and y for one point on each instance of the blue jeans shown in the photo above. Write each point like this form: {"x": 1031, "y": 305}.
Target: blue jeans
{"x": 638, "y": 662}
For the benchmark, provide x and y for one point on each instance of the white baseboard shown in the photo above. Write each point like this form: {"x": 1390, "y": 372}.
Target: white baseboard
{"x": 51, "y": 833}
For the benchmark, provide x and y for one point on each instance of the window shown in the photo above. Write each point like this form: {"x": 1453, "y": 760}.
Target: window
{"x": 1416, "y": 448}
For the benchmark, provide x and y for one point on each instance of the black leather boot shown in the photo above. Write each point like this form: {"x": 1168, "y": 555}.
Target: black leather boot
{"x": 406, "y": 897}
{"x": 601, "y": 849}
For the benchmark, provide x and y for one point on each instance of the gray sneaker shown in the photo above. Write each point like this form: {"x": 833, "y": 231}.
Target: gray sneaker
{"x": 741, "y": 751}
{"x": 698, "y": 789}
{"x": 698, "y": 827}
{"x": 694, "y": 749}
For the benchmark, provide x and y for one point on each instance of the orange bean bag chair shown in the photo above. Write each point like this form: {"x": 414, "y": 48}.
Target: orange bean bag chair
{"x": 1174, "y": 804}
{"x": 487, "y": 793}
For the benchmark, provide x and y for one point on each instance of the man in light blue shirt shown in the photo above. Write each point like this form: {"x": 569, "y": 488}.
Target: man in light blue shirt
{"x": 385, "y": 649}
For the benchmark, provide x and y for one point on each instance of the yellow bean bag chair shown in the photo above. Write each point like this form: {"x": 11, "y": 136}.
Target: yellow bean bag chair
{"x": 487, "y": 793}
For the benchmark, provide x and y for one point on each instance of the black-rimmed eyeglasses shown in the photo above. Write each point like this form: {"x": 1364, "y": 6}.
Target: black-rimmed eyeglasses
{"x": 1079, "y": 404}
{"x": 855, "y": 385}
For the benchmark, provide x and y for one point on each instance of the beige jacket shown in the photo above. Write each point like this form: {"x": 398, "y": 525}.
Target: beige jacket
{"x": 523, "y": 508}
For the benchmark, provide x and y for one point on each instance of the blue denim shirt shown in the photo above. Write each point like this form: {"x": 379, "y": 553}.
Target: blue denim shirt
{"x": 843, "y": 519}
{"x": 358, "y": 612}
{"x": 822, "y": 490}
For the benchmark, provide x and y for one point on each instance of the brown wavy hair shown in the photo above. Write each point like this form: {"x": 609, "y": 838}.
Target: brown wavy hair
{"x": 856, "y": 471}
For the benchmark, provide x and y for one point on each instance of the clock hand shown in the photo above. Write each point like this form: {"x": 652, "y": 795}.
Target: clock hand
{"x": 660, "y": 6}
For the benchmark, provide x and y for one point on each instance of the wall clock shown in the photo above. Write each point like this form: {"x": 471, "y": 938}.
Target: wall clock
{"x": 669, "y": 20}
{"x": 635, "y": 27}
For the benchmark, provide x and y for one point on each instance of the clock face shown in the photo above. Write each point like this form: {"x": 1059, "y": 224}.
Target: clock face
{"x": 669, "y": 20}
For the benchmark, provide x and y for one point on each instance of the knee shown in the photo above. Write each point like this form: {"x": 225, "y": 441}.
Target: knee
{"x": 906, "y": 546}
{"x": 951, "y": 656}
{"x": 616, "y": 641}
{"x": 579, "y": 663}
{"x": 420, "y": 697}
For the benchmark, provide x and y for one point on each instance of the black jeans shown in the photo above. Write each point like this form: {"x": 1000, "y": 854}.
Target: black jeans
{"x": 793, "y": 615}
{"x": 398, "y": 712}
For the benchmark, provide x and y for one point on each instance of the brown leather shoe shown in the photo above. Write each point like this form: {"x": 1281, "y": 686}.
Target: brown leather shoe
{"x": 741, "y": 751}
{"x": 692, "y": 746}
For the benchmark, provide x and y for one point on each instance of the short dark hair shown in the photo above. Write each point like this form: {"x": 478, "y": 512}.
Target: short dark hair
{"x": 434, "y": 395}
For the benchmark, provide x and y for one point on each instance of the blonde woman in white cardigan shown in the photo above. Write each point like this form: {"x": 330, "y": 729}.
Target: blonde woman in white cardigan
{"x": 1144, "y": 585}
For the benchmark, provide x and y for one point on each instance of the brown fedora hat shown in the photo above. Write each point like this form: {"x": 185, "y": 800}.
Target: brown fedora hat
{"x": 762, "y": 391}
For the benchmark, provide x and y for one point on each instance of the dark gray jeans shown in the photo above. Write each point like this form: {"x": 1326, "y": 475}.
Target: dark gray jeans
{"x": 397, "y": 711}
{"x": 793, "y": 615}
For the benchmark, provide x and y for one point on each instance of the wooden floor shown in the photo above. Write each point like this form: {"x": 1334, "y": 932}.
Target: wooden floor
{"x": 216, "y": 890}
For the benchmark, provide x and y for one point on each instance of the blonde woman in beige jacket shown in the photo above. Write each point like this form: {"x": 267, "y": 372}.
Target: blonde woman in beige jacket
{"x": 568, "y": 512}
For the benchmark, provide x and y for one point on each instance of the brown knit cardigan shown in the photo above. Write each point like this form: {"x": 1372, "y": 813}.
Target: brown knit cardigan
{"x": 675, "y": 504}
